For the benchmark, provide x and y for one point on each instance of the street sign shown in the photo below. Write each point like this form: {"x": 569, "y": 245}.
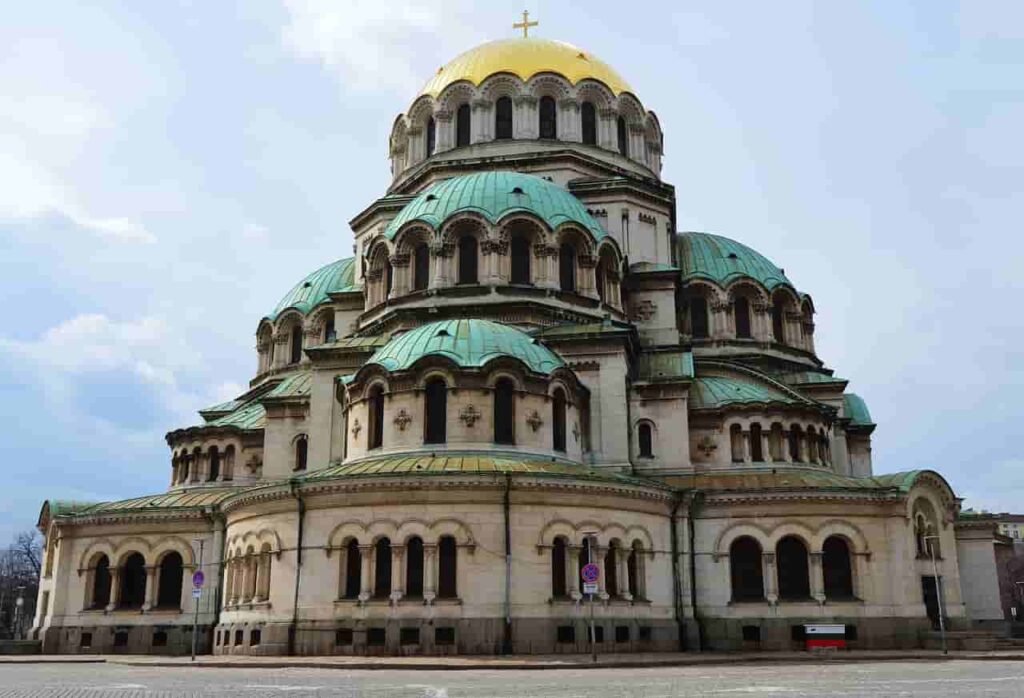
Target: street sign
{"x": 590, "y": 573}
{"x": 198, "y": 578}
{"x": 197, "y": 593}
{"x": 589, "y": 587}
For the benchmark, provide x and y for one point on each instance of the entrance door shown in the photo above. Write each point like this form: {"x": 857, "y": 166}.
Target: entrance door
{"x": 931, "y": 599}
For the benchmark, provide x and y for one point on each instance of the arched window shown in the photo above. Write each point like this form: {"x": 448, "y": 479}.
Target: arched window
{"x": 589, "y": 117}
{"x": 645, "y": 438}
{"x": 169, "y": 586}
{"x": 503, "y": 118}
{"x": 601, "y": 280}
{"x": 462, "y": 126}
{"x": 431, "y": 136}
{"x": 133, "y": 582}
{"x": 414, "y": 568}
{"x": 611, "y": 569}
{"x": 436, "y": 410}
{"x": 421, "y": 267}
{"x": 792, "y": 566}
{"x": 698, "y": 317}
{"x": 812, "y": 445}
{"x": 756, "y": 450}
{"x": 467, "y": 260}
{"x": 382, "y": 568}
{"x": 926, "y": 529}
{"x": 635, "y": 571}
{"x": 353, "y": 570}
{"x": 301, "y": 452}
{"x": 100, "y": 583}
{"x": 214, "y": 464}
{"x": 795, "y": 434}
{"x": 296, "y": 344}
{"x": 329, "y": 332}
{"x": 620, "y": 132}
{"x": 520, "y": 253}
{"x": 389, "y": 280}
{"x": 447, "y": 570}
{"x": 778, "y": 323}
{"x": 567, "y": 267}
{"x": 745, "y": 570}
{"x": 548, "y": 118}
{"x": 229, "y": 463}
{"x": 775, "y": 442}
{"x": 504, "y": 412}
{"x": 183, "y": 469}
{"x": 836, "y": 567}
{"x": 375, "y": 432}
{"x": 558, "y": 564}
{"x": 558, "y": 420}
{"x": 741, "y": 308}
{"x": 736, "y": 443}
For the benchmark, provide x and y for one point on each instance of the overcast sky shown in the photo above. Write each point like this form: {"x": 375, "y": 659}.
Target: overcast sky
{"x": 170, "y": 169}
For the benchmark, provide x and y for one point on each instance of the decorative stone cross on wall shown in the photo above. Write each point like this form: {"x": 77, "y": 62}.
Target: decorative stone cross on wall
{"x": 402, "y": 419}
{"x": 356, "y": 428}
{"x": 707, "y": 446}
{"x": 534, "y": 420}
{"x": 469, "y": 414}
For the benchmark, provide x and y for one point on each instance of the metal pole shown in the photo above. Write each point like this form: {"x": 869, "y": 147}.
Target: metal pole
{"x": 593, "y": 635}
{"x": 195, "y": 601}
{"x": 938, "y": 593}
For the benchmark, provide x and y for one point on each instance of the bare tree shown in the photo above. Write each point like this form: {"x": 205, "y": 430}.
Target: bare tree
{"x": 20, "y": 565}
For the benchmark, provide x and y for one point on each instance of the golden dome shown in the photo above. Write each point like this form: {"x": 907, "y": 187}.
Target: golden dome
{"x": 525, "y": 58}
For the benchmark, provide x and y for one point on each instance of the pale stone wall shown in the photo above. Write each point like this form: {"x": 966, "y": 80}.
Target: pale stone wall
{"x": 979, "y": 579}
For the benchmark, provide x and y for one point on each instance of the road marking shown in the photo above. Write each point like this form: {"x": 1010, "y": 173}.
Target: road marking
{"x": 286, "y": 688}
{"x": 430, "y": 691}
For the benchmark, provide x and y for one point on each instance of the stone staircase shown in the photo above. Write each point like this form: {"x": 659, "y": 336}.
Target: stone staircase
{"x": 965, "y": 640}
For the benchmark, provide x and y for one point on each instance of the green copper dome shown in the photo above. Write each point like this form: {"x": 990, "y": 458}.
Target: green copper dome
{"x": 469, "y": 343}
{"x": 336, "y": 277}
{"x": 719, "y": 259}
{"x": 494, "y": 195}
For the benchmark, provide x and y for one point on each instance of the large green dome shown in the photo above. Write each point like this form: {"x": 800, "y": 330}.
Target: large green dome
{"x": 494, "y": 195}
{"x": 719, "y": 259}
{"x": 469, "y": 343}
{"x": 336, "y": 277}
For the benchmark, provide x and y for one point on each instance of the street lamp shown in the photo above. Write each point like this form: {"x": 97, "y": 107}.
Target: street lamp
{"x": 938, "y": 591}
{"x": 196, "y": 598}
{"x": 591, "y": 538}
{"x": 19, "y": 609}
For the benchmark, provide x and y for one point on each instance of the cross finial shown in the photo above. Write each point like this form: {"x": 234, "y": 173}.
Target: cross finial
{"x": 525, "y": 24}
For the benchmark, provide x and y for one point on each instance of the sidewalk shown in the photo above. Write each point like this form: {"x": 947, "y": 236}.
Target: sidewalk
{"x": 520, "y": 662}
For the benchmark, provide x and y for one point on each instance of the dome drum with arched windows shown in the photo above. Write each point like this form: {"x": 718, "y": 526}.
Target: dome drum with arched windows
{"x": 522, "y": 368}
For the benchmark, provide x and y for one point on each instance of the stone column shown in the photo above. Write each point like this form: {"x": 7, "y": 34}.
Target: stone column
{"x": 622, "y": 562}
{"x": 766, "y": 450}
{"x": 480, "y": 122}
{"x": 787, "y": 455}
{"x": 771, "y": 586}
{"x": 429, "y": 572}
{"x": 366, "y": 573}
{"x": 747, "y": 455}
{"x": 607, "y": 129}
{"x": 569, "y": 121}
{"x": 149, "y": 600}
{"x": 260, "y": 575}
{"x": 444, "y": 137}
{"x": 115, "y": 588}
{"x": 397, "y": 573}
{"x": 572, "y": 569}
{"x": 817, "y": 578}
{"x": 597, "y": 556}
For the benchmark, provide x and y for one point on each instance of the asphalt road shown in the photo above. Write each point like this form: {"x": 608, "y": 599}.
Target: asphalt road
{"x": 877, "y": 680}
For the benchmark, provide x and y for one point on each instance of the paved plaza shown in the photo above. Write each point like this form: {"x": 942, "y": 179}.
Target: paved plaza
{"x": 992, "y": 679}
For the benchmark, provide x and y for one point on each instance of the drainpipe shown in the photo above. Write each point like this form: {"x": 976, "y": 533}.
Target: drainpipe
{"x": 696, "y": 499}
{"x": 677, "y": 592}
{"x": 219, "y": 540}
{"x": 506, "y": 646}
{"x": 300, "y": 509}
{"x": 629, "y": 426}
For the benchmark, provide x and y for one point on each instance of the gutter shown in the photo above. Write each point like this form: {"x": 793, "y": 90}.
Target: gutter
{"x": 221, "y": 539}
{"x": 506, "y": 644}
{"x": 300, "y": 508}
{"x": 677, "y": 591}
{"x": 696, "y": 499}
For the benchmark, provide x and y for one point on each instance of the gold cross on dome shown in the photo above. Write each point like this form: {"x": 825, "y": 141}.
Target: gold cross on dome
{"x": 525, "y": 24}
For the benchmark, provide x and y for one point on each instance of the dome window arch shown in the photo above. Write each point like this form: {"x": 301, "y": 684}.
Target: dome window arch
{"x": 756, "y": 445}
{"x": 421, "y": 267}
{"x": 697, "y": 307}
{"x": 520, "y": 254}
{"x": 623, "y": 140}
{"x": 793, "y": 569}
{"x": 795, "y": 445}
{"x": 547, "y": 114}
{"x": 170, "y": 581}
{"x": 837, "y": 569}
{"x": 99, "y": 598}
{"x": 301, "y": 452}
{"x": 330, "y": 333}
{"x": 558, "y": 420}
{"x": 736, "y": 443}
{"x": 468, "y": 260}
{"x": 214, "y": 457}
{"x": 741, "y": 315}
{"x": 382, "y": 568}
{"x": 431, "y": 136}
{"x": 414, "y": 568}
{"x": 447, "y": 568}
{"x": 636, "y": 576}
{"x": 567, "y": 267}
{"x": 132, "y": 592}
{"x": 745, "y": 571}
{"x": 611, "y": 569}
{"x": 375, "y": 432}
{"x": 588, "y": 117}
{"x": 296, "y": 344}
{"x": 559, "y": 557}
{"x": 504, "y": 412}
{"x": 503, "y": 118}
{"x": 435, "y": 410}
{"x": 352, "y": 570}
{"x": 463, "y": 117}
{"x": 645, "y": 439}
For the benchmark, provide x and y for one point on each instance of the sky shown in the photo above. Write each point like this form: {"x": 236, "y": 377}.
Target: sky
{"x": 169, "y": 170}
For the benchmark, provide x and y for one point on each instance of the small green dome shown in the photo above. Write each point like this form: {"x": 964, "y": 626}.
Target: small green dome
{"x": 469, "y": 343}
{"x": 856, "y": 410}
{"x": 719, "y": 259}
{"x": 336, "y": 277}
{"x": 494, "y": 195}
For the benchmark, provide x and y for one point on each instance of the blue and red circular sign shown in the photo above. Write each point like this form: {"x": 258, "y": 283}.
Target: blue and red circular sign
{"x": 198, "y": 579}
{"x": 590, "y": 573}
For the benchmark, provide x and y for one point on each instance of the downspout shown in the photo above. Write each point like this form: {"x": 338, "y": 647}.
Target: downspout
{"x": 629, "y": 425}
{"x": 696, "y": 498}
{"x": 677, "y": 591}
{"x": 506, "y": 645}
{"x": 300, "y": 508}
{"x": 221, "y": 539}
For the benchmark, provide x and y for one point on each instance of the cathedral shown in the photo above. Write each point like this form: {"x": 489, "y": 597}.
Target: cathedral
{"x": 525, "y": 367}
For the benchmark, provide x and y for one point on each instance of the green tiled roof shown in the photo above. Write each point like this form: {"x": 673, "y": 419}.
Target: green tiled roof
{"x": 711, "y": 392}
{"x": 856, "y": 410}
{"x": 468, "y": 465}
{"x": 336, "y": 277}
{"x": 251, "y": 416}
{"x": 192, "y": 499}
{"x": 469, "y": 343}
{"x": 784, "y": 479}
{"x": 583, "y": 329}
{"x": 808, "y": 378}
{"x": 719, "y": 259}
{"x": 293, "y": 386}
{"x": 494, "y": 195}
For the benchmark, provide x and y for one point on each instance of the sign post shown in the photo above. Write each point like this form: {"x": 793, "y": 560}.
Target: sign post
{"x": 590, "y": 573}
{"x": 198, "y": 578}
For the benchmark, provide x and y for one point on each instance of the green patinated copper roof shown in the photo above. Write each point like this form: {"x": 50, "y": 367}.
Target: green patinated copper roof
{"x": 469, "y": 465}
{"x": 494, "y": 195}
{"x": 336, "y": 277}
{"x": 297, "y": 385}
{"x": 665, "y": 365}
{"x": 585, "y": 329}
{"x": 856, "y": 410}
{"x": 469, "y": 343}
{"x": 251, "y": 416}
{"x": 808, "y": 378}
{"x": 719, "y": 259}
{"x": 712, "y": 392}
{"x": 193, "y": 499}
{"x": 795, "y": 479}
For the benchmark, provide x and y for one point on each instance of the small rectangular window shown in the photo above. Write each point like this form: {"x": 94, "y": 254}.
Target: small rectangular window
{"x": 622, "y": 633}
{"x": 121, "y": 638}
{"x": 238, "y": 637}
{"x": 376, "y": 637}
{"x": 254, "y": 637}
{"x": 86, "y": 640}
{"x": 598, "y": 634}
{"x": 409, "y": 636}
{"x": 159, "y": 639}
{"x": 644, "y": 633}
{"x": 751, "y": 633}
{"x": 343, "y": 637}
{"x": 444, "y": 636}
{"x": 566, "y": 634}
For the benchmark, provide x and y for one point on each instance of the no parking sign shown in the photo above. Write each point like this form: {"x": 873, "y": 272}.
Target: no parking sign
{"x": 590, "y": 574}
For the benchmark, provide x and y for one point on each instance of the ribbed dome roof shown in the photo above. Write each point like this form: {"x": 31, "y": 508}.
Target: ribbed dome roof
{"x": 525, "y": 58}
{"x": 494, "y": 195}
{"x": 336, "y": 277}
{"x": 469, "y": 343}
{"x": 719, "y": 259}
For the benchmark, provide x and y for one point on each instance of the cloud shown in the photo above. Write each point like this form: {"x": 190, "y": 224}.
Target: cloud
{"x": 369, "y": 44}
